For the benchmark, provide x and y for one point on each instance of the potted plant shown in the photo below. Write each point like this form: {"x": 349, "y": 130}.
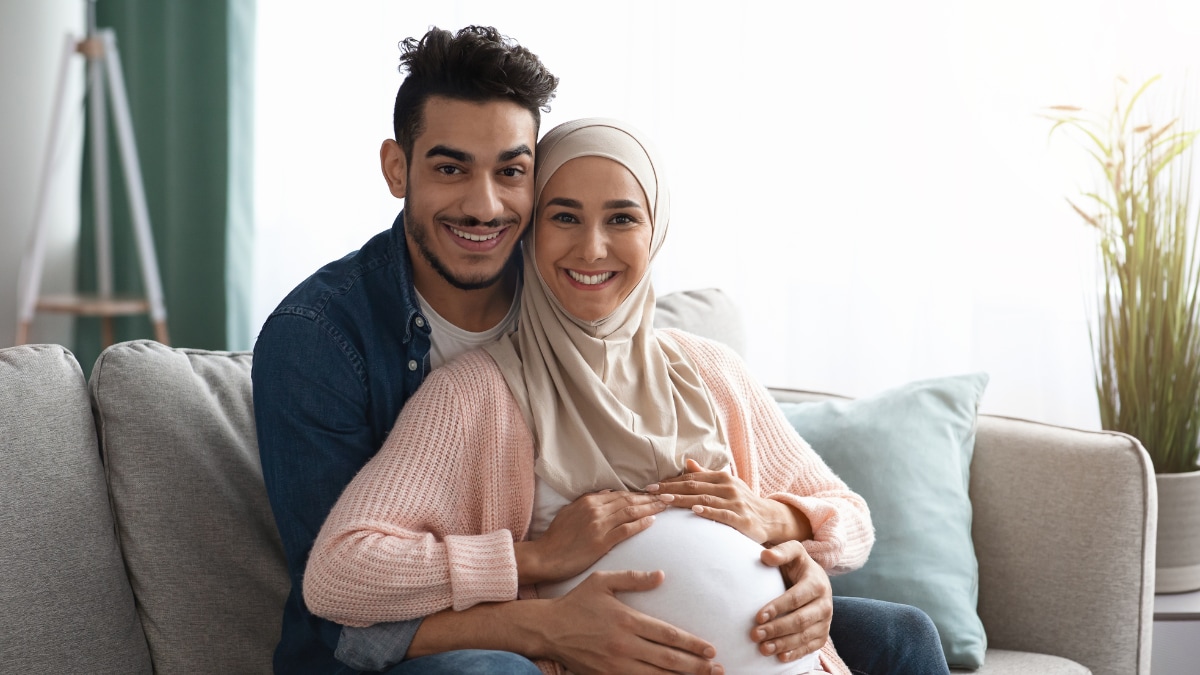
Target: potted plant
{"x": 1146, "y": 340}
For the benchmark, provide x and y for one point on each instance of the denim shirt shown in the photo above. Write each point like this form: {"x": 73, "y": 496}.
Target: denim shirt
{"x": 333, "y": 365}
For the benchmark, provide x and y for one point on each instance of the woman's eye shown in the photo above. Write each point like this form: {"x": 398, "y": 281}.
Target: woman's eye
{"x": 622, "y": 219}
{"x": 563, "y": 218}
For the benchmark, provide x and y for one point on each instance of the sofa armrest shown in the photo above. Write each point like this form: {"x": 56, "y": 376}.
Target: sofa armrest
{"x": 1065, "y": 525}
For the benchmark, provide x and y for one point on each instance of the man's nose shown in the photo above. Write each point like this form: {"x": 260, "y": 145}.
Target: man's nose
{"x": 482, "y": 200}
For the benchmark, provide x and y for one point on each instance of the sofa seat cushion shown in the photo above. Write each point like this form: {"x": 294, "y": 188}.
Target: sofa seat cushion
{"x": 205, "y": 561}
{"x": 1005, "y": 662}
{"x": 67, "y": 605}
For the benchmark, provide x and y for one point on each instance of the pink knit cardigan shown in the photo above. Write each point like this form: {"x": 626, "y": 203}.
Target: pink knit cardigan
{"x": 429, "y": 523}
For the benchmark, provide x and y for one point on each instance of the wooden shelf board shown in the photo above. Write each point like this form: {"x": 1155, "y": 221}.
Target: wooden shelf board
{"x": 92, "y": 305}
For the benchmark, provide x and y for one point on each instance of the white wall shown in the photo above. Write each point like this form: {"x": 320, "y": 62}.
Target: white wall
{"x": 32, "y": 37}
{"x": 868, "y": 179}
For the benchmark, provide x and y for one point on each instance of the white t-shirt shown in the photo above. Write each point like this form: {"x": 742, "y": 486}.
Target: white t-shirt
{"x": 714, "y": 581}
{"x": 448, "y": 342}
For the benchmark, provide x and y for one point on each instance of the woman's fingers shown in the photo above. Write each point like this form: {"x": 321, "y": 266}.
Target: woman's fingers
{"x": 633, "y": 508}
{"x": 604, "y": 511}
{"x": 583, "y": 531}
{"x": 723, "y": 516}
{"x": 693, "y": 472}
{"x": 727, "y": 499}
{"x": 615, "y": 499}
{"x": 676, "y": 491}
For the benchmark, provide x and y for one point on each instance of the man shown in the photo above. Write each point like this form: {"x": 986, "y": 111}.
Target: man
{"x": 339, "y": 357}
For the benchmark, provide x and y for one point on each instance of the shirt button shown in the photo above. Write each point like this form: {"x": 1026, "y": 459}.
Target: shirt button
{"x": 420, "y": 322}
{"x": 412, "y": 365}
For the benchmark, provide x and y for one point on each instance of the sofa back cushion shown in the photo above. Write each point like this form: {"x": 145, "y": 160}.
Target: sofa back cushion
{"x": 707, "y": 312}
{"x": 67, "y": 606}
{"x": 205, "y": 561}
{"x": 907, "y": 452}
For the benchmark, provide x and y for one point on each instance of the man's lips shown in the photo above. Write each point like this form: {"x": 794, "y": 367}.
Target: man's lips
{"x": 477, "y": 239}
{"x": 472, "y": 236}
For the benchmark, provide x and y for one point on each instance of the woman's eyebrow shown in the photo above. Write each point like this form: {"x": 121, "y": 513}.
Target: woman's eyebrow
{"x": 622, "y": 204}
{"x": 563, "y": 201}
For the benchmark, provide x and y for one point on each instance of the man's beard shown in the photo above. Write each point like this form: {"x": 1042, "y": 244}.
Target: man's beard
{"x": 420, "y": 234}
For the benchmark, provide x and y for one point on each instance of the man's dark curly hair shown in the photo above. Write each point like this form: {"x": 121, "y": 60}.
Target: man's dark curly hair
{"x": 477, "y": 64}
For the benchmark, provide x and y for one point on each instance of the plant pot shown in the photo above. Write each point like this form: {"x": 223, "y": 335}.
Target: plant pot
{"x": 1178, "y": 554}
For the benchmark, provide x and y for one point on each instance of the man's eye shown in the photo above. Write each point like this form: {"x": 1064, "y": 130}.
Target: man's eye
{"x": 449, "y": 170}
{"x": 512, "y": 172}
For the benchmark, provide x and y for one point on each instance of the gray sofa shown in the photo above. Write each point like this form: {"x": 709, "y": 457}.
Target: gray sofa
{"x": 137, "y": 536}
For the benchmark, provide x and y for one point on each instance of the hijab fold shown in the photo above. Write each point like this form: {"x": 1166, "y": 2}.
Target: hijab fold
{"x": 611, "y": 403}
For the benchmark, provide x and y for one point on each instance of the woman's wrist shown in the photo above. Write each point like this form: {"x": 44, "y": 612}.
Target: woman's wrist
{"x": 789, "y": 524}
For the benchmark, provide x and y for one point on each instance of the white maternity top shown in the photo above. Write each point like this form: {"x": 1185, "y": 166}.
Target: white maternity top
{"x": 714, "y": 582}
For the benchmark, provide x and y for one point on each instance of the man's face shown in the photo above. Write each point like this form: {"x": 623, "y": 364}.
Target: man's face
{"x": 469, "y": 192}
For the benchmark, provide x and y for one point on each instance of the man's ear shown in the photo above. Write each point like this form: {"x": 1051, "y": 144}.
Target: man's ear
{"x": 395, "y": 168}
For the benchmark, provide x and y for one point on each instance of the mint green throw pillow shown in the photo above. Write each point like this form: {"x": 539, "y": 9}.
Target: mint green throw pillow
{"x": 908, "y": 451}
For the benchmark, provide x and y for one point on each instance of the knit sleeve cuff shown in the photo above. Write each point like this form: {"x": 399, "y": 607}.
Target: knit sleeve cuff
{"x": 826, "y": 544}
{"x": 483, "y": 568}
{"x": 841, "y": 540}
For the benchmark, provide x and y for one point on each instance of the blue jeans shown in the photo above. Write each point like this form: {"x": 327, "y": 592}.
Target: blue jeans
{"x": 875, "y": 637}
{"x": 467, "y": 662}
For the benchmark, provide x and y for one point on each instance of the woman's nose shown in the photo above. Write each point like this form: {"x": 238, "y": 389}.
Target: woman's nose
{"x": 595, "y": 243}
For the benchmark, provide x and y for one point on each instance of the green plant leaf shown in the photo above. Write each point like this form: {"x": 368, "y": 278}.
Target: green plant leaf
{"x": 1146, "y": 340}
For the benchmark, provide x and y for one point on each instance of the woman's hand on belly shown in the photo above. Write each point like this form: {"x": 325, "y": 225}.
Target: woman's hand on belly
{"x": 582, "y": 532}
{"x": 727, "y": 499}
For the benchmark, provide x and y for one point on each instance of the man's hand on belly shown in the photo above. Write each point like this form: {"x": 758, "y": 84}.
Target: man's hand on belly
{"x": 796, "y": 623}
{"x": 597, "y": 633}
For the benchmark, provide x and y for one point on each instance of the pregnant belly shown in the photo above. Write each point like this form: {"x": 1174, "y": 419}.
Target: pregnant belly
{"x": 714, "y": 585}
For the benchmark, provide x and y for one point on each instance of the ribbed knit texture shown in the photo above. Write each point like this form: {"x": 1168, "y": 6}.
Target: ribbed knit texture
{"x": 429, "y": 523}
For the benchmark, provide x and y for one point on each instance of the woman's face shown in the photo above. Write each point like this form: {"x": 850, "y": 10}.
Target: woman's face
{"x": 592, "y": 236}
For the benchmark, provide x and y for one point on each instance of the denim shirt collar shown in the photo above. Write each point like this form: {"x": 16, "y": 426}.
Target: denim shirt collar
{"x": 404, "y": 280}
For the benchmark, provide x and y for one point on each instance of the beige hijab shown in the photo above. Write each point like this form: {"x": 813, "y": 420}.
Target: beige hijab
{"x": 611, "y": 403}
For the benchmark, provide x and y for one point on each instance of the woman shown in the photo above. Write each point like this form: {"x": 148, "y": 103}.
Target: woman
{"x": 586, "y": 397}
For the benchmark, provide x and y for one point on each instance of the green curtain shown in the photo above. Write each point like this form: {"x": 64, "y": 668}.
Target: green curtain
{"x": 189, "y": 76}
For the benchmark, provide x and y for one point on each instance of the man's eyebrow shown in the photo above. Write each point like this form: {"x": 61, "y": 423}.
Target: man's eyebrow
{"x": 622, "y": 204}
{"x": 446, "y": 151}
{"x": 563, "y": 201}
{"x": 509, "y": 155}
